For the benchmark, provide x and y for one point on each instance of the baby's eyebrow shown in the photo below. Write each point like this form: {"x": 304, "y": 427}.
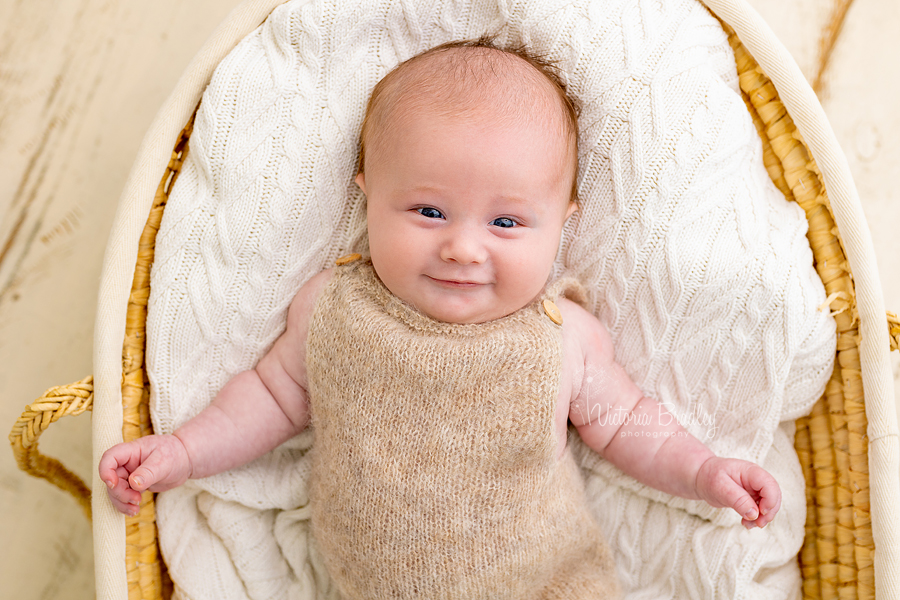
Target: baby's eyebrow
{"x": 423, "y": 188}
{"x": 515, "y": 203}
{"x": 513, "y": 199}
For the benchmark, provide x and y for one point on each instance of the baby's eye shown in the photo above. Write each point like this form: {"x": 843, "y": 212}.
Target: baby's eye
{"x": 503, "y": 222}
{"x": 430, "y": 212}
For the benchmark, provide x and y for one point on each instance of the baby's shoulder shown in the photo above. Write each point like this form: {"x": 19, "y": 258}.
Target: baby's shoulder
{"x": 304, "y": 302}
{"x": 583, "y": 333}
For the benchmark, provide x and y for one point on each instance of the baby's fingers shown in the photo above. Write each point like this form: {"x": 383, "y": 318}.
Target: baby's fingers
{"x": 129, "y": 469}
{"x": 738, "y": 499}
{"x": 115, "y": 462}
{"x": 759, "y": 489}
{"x": 151, "y": 471}
{"x": 114, "y": 468}
{"x": 126, "y": 500}
{"x": 165, "y": 465}
{"x": 742, "y": 486}
{"x": 764, "y": 487}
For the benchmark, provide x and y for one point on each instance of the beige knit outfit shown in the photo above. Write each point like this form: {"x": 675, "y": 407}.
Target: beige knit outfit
{"x": 435, "y": 472}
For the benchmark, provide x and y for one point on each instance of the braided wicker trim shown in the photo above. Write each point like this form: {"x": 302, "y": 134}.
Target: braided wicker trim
{"x": 147, "y": 578}
{"x": 837, "y": 555}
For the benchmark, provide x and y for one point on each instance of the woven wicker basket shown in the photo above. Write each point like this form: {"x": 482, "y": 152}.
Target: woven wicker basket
{"x": 848, "y": 446}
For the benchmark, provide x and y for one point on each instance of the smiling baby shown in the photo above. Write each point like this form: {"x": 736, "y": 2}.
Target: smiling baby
{"x": 441, "y": 373}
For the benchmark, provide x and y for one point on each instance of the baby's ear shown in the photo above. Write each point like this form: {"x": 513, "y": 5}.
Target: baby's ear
{"x": 569, "y": 211}
{"x": 361, "y": 181}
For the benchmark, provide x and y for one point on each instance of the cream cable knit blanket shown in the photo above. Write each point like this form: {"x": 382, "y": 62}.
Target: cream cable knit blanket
{"x": 692, "y": 258}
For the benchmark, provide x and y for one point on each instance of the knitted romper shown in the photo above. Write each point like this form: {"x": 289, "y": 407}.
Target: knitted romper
{"x": 435, "y": 472}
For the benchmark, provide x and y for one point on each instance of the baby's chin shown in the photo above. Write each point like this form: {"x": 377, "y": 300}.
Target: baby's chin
{"x": 454, "y": 319}
{"x": 458, "y": 305}
{"x": 466, "y": 315}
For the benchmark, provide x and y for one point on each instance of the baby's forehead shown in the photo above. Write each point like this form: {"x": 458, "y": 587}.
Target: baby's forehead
{"x": 465, "y": 81}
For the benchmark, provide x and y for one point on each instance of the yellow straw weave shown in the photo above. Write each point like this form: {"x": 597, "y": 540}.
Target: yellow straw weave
{"x": 147, "y": 577}
{"x": 837, "y": 555}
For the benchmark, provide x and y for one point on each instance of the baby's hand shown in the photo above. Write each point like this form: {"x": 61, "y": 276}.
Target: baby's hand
{"x": 155, "y": 462}
{"x": 741, "y": 485}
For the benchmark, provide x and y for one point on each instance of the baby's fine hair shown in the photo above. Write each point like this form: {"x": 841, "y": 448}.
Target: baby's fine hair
{"x": 461, "y": 76}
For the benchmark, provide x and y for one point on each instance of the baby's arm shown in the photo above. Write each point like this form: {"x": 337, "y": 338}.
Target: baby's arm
{"x": 643, "y": 439}
{"x": 255, "y": 412}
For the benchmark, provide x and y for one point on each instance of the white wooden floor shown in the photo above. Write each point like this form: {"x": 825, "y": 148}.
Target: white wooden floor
{"x": 80, "y": 81}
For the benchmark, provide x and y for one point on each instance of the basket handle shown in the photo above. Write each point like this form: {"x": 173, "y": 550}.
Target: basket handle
{"x": 57, "y": 402}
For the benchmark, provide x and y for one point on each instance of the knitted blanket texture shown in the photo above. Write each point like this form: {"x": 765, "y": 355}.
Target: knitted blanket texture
{"x": 691, "y": 257}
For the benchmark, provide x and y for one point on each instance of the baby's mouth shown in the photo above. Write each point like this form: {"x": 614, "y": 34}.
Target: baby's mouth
{"x": 455, "y": 283}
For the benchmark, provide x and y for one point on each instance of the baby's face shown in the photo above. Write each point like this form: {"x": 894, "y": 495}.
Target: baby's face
{"x": 465, "y": 214}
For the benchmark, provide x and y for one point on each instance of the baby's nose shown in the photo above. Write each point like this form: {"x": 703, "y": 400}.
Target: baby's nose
{"x": 463, "y": 248}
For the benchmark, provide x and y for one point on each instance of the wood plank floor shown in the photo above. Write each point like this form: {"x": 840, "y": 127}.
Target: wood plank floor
{"x": 80, "y": 81}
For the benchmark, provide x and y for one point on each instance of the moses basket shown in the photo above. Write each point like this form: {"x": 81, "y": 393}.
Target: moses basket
{"x": 848, "y": 446}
